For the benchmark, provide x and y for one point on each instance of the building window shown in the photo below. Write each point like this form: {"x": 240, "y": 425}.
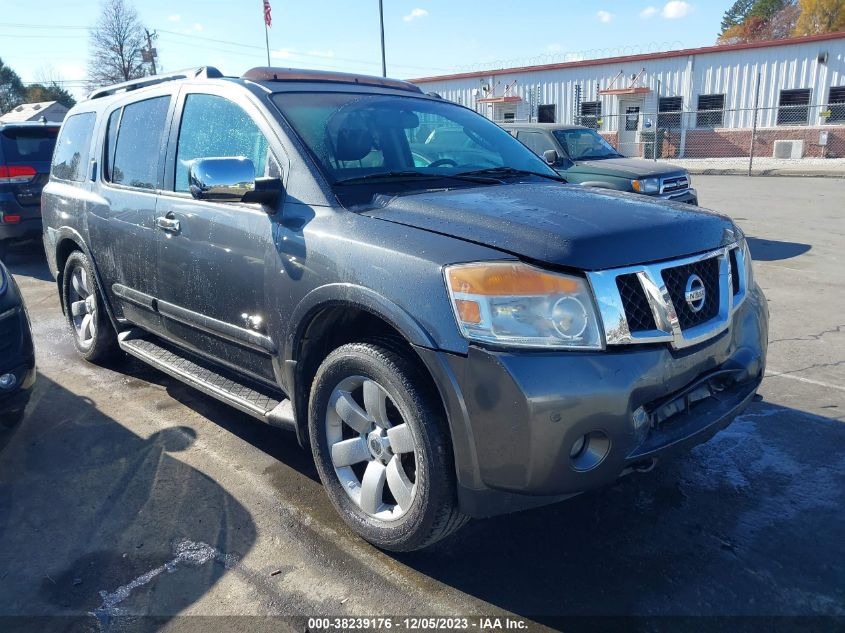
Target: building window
{"x": 669, "y": 112}
{"x": 509, "y": 117}
{"x": 836, "y": 105}
{"x": 711, "y": 111}
{"x": 546, "y": 113}
{"x": 591, "y": 114}
{"x": 794, "y": 107}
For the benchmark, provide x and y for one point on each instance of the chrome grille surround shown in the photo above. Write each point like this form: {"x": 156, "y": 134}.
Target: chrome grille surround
{"x": 673, "y": 184}
{"x": 667, "y": 325}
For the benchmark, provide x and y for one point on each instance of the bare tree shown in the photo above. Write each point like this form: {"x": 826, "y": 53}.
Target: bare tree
{"x": 117, "y": 44}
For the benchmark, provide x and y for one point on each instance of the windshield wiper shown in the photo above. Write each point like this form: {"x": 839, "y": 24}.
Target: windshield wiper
{"x": 509, "y": 171}
{"x": 401, "y": 175}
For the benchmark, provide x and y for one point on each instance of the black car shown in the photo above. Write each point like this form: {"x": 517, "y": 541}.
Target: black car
{"x": 451, "y": 329}
{"x": 17, "y": 355}
{"x": 25, "y": 152}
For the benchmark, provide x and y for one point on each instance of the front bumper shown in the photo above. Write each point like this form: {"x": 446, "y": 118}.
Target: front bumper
{"x": 17, "y": 354}
{"x": 689, "y": 196}
{"x": 516, "y": 416}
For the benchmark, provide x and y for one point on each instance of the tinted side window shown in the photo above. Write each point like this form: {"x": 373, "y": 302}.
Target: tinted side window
{"x": 216, "y": 127}
{"x": 535, "y": 141}
{"x": 139, "y": 141}
{"x": 71, "y": 156}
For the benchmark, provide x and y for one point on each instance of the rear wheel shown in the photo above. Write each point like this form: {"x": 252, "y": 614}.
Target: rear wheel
{"x": 381, "y": 446}
{"x": 93, "y": 334}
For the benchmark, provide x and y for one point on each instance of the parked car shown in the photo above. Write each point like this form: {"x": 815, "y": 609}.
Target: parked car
{"x": 17, "y": 355}
{"x": 583, "y": 156}
{"x": 25, "y": 152}
{"x": 451, "y": 340}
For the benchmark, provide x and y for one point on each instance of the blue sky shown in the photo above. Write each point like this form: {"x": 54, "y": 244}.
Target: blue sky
{"x": 424, "y": 37}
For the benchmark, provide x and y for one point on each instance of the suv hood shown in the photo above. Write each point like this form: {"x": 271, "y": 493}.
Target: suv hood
{"x": 627, "y": 167}
{"x": 566, "y": 225}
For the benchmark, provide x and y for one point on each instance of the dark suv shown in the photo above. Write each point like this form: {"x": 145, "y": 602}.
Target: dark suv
{"x": 453, "y": 335}
{"x": 25, "y": 152}
{"x": 582, "y": 156}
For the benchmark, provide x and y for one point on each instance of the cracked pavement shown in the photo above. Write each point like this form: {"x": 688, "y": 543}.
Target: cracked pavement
{"x": 125, "y": 493}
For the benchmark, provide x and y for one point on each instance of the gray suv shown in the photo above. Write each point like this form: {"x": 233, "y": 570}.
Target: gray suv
{"x": 453, "y": 331}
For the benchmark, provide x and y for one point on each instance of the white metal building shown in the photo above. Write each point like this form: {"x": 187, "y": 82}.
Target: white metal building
{"x": 703, "y": 95}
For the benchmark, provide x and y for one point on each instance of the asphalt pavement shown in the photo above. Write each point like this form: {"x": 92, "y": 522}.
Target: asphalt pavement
{"x": 126, "y": 494}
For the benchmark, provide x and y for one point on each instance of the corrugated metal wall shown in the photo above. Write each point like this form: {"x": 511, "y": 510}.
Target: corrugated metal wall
{"x": 732, "y": 73}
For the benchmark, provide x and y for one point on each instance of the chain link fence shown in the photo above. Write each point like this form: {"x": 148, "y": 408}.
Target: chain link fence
{"x": 806, "y": 139}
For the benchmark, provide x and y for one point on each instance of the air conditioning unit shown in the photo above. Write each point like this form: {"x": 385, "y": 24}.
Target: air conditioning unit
{"x": 789, "y": 149}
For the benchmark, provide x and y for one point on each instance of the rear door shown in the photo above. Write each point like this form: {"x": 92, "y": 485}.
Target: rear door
{"x": 122, "y": 218}
{"x": 213, "y": 266}
{"x": 25, "y": 153}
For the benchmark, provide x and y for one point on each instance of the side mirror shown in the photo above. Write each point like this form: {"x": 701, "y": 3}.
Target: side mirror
{"x": 551, "y": 157}
{"x": 231, "y": 180}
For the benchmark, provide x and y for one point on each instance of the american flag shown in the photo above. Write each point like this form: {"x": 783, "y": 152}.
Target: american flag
{"x": 268, "y": 17}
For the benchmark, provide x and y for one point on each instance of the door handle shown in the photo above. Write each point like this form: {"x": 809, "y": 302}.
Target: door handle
{"x": 168, "y": 224}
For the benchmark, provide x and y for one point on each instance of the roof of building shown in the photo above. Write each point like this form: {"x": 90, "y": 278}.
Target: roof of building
{"x": 27, "y": 111}
{"x": 722, "y": 48}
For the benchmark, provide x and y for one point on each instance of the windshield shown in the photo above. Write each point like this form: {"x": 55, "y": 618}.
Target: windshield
{"x": 367, "y": 137}
{"x": 585, "y": 145}
{"x": 28, "y": 144}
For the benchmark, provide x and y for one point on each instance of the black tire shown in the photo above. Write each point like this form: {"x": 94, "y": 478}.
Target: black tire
{"x": 433, "y": 512}
{"x": 102, "y": 344}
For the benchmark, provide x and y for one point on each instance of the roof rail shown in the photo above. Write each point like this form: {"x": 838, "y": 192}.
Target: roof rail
{"x": 269, "y": 73}
{"x": 202, "y": 72}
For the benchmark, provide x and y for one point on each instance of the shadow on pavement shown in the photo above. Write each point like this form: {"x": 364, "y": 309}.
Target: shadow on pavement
{"x": 774, "y": 250}
{"x": 750, "y": 523}
{"x": 97, "y": 522}
{"x": 27, "y": 258}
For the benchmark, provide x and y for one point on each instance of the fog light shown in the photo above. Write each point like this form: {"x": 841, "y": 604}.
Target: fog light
{"x": 8, "y": 381}
{"x": 592, "y": 449}
{"x": 578, "y": 447}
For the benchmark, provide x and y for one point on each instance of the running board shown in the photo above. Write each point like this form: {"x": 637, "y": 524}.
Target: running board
{"x": 220, "y": 384}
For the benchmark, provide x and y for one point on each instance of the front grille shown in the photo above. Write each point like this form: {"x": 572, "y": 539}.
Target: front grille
{"x": 675, "y": 184}
{"x": 734, "y": 272}
{"x": 676, "y": 282}
{"x": 635, "y": 303}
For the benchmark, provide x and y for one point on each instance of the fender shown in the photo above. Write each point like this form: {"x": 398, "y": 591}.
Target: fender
{"x": 599, "y": 184}
{"x": 360, "y": 297}
{"x": 56, "y": 236}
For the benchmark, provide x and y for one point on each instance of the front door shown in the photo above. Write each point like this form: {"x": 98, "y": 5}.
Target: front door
{"x": 214, "y": 256}
{"x": 630, "y": 124}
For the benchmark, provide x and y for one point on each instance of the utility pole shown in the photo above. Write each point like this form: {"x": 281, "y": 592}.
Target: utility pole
{"x": 381, "y": 23}
{"x": 149, "y": 54}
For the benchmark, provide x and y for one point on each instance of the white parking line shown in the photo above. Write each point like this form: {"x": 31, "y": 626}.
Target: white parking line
{"x": 802, "y": 379}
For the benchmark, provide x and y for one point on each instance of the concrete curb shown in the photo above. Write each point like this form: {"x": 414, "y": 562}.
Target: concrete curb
{"x": 808, "y": 173}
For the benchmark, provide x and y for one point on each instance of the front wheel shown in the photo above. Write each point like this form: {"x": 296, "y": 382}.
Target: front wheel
{"x": 382, "y": 450}
{"x": 93, "y": 334}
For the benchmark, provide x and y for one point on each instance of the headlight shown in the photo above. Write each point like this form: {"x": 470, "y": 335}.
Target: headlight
{"x": 749, "y": 265}
{"x": 646, "y": 185}
{"x": 517, "y": 305}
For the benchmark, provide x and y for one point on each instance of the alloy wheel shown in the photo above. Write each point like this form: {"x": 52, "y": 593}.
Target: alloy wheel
{"x": 372, "y": 448}
{"x": 82, "y": 303}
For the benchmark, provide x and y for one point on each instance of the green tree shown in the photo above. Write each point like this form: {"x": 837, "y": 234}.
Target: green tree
{"x": 52, "y": 92}
{"x": 736, "y": 14}
{"x": 820, "y": 16}
{"x": 12, "y": 92}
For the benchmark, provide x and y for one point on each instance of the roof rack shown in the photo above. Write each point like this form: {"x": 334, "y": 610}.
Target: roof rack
{"x": 269, "y": 73}
{"x": 202, "y": 72}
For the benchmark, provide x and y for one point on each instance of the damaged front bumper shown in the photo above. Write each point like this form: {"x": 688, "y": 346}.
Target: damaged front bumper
{"x": 533, "y": 428}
